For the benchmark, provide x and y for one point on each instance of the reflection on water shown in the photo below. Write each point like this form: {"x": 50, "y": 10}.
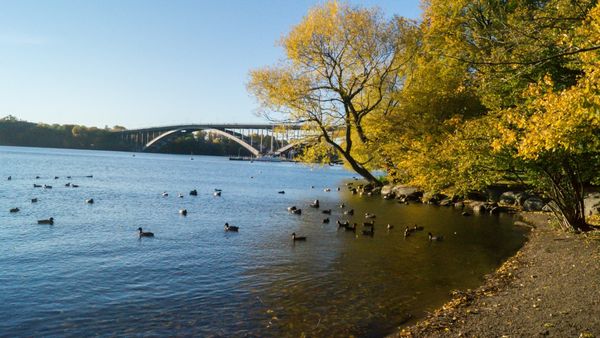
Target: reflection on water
{"x": 89, "y": 273}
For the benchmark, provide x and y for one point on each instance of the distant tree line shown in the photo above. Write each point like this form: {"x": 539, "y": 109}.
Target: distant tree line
{"x": 16, "y": 132}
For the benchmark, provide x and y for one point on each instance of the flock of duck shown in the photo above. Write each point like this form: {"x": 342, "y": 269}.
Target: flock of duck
{"x": 368, "y": 227}
{"x": 47, "y": 186}
{"x": 141, "y": 232}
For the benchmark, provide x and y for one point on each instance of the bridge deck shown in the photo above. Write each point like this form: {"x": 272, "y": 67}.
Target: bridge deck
{"x": 212, "y": 126}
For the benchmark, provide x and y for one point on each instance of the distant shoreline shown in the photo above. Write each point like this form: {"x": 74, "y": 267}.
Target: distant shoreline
{"x": 113, "y": 150}
{"x": 549, "y": 287}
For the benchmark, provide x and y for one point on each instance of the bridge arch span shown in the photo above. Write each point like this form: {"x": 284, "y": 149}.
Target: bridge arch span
{"x": 169, "y": 134}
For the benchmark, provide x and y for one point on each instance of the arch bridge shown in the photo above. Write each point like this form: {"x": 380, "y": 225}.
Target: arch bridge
{"x": 280, "y": 138}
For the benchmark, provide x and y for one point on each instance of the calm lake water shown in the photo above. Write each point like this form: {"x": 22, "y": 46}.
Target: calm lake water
{"x": 90, "y": 274}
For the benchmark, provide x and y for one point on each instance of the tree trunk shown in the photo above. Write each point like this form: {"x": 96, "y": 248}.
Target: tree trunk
{"x": 567, "y": 195}
{"x": 362, "y": 171}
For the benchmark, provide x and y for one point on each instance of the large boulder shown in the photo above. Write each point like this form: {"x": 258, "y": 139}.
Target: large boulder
{"x": 533, "y": 204}
{"x": 404, "y": 190}
{"x": 508, "y": 198}
{"x": 387, "y": 189}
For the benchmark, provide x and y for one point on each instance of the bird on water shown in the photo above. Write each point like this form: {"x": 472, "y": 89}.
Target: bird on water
{"x": 145, "y": 233}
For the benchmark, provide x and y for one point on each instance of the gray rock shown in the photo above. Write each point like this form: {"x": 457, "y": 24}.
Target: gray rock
{"x": 459, "y": 205}
{"x": 405, "y": 190}
{"x": 387, "y": 189}
{"x": 508, "y": 197}
{"x": 522, "y": 197}
{"x": 533, "y": 204}
{"x": 446, "y": 202}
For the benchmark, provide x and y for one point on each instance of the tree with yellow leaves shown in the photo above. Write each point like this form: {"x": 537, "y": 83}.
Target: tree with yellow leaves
{"x": 342, "y": 65}
{"x": 534, "y": 67}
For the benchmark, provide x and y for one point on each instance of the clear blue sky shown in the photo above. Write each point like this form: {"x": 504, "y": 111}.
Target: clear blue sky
{"x": 143, "y": 63}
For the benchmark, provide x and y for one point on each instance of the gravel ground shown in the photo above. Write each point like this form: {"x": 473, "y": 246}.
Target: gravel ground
{"x": 551, "y": 287}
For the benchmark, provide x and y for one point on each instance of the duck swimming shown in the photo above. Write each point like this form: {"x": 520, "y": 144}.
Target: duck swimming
{"x": 34, "y": 200}
{"x": 349, "y": 212}
{"x": 231, "y": 228}
{"x": 434, "y": 238}
{"x": 281, "y": 192}
{"x": 183, "y": 212}
{"x": 326, "y": 220}
{"x": 165, "y": 194}
{"x": 297, "y": 238}
{"x": 297, "y": 211}
{"x": 145, "y": 233}
{"x": 194, "y": 193}
{"x": 89, "y": 201}
{"x": 315, "y": 204}
{"x": 368, "y": 215}
{"x": 46, "y": 221}
{"x": 217, "y": 193}
{"x": 15, "y": 210}
{"x": 326, "y": 211}
{"x": 390, "y": 227}
{"x": 37, "y": 185}
{"x": 342, "y": 225}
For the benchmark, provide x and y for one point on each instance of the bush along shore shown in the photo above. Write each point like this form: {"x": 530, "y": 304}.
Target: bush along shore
{"x": 550, "y": 287}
